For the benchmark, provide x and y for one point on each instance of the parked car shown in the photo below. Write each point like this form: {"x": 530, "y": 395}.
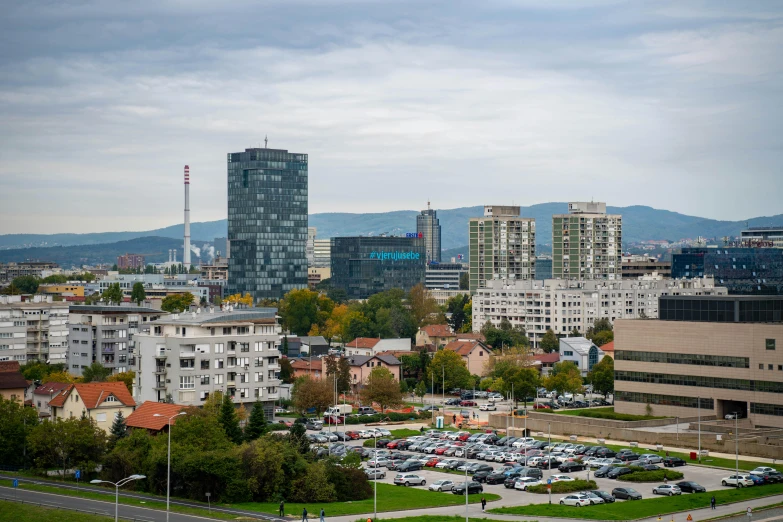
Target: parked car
{"x": 375, "y": 473}
{"x": 574, "y": 500}
{"x": 429, "y": 407}
{"x": 473, "y": 487}
{"x": 593, "y": 498}
{"x": 522, "y": 483}
{"x": 569, "y": 466}
{"x": 757, "y": 480}
{"x": 465, "y": 403}
{"x": 671, "y": 462}
{"x": 314, "y": 425}
{"x": 607, "y": 497}
{"x": 541, "y": 406}
{"x": 626, "y": 494}
{"x": 452, "y": 402}
{"x": 651, "y": 467}
{"x": 772, "y": 477}
{"x": 441, "y": 485}
{"x": 667, "y": 489}
{"x": 650, "y": 458}
{"x": 689, "y": 486}
{"x": 497, "y": 477}
{"x": 481, "y": 476}
{"x": 409, "y": 465}
{"x": 761, "y": 470}
{"x": 737, "y": 480}
{"x": 278, "y": 409}
{"x": 488, "y": 407}
{"x": 353, "y": 434}
{"x": 618, "y": 472}
{"x": 409, "y": 479}
{"x": 560, "y": 478}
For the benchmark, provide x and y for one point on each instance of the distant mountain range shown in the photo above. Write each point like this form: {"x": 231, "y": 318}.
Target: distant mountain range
{"x": 639, "y": 223}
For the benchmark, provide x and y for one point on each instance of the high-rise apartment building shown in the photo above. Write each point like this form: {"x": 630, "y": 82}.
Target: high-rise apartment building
{"x": 502, "y": 246}
{"x": 36, "y": 329}
{"x": 586, "y": 243}
{"x": 267, "y": 222}
{"x": 130, "y": 262}
{"x": 428, "y": 228}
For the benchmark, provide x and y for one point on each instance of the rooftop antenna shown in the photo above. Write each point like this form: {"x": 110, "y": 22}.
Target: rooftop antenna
{"x": 428, "y": 204}
{"x": 265, "y": 142}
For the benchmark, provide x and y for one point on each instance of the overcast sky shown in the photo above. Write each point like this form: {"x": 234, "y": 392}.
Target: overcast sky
{"x": 676, "y": 105}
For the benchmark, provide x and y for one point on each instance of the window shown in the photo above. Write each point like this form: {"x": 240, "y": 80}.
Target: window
{"x": 761, "y": 366}
{"x": 205, "y": 379}
{"x": 770, "y": 344}
{"x": 218, "y": 379}
{"x": 226, "y": 330}
{"x": 219, "y": 347}
{"x": 568, "y": 353}
{"x": 100, "y": 417}
{"x": 205, "y": 364}
{"x": 187, "y": 363}
{"x": 187, "y": 382}
{"x": 770, "y": 367}
{"x": 259, "y": 377}
{"x": 218, "y": 364}
{"x": 111, "y": 398}
{"x": 481, "y": 353}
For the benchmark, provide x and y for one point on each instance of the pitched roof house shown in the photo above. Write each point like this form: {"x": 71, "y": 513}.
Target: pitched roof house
{"x": 145, "y": 416}
{"x": 438, "y": 334}
{"x": 362, "y": 365}
{"x": 45, "y": 393}
{"x": 97, "y": 400}
{"x": 475, "y": 354}
{"x": 608, "y": 349}
{"x": 13, "y": 386}
{"x": 307, "y": 366}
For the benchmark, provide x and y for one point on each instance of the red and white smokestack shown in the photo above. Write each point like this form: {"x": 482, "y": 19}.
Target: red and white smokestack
{"x": 186, "y": 249}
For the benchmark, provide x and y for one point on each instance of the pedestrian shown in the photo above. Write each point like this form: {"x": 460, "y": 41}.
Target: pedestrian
{"x": 282, "y": 508}
{"x": 304, "y": 515}
{"x": 454, "y": 419}
{"x": 323, "y": 515}
{"x": 712, "y": 502}
{"x": 483, "y": 503}
{"x": 667, "y": 453}
{"x": 421, "y": 431}
{"x": 665, "y": 479}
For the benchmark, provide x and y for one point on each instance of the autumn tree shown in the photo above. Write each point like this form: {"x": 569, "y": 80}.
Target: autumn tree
{"x": 96, "y": 372}
{"x": 176, "y": 303}
{"x": 381, "y": 388}
{"x": 424, "y": 309}
{"x": 62, "y": 376}
{"x": 237, "y": 299}
{"x": 456, "y": 371}
{"x": 565, "y": 378}
{"x": 124, "y": 377}
{"x": 549, "y": 342}
{"x": 334, "y": 325}
{"x": 309, "y": 393}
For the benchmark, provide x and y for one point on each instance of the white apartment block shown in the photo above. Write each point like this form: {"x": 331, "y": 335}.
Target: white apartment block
{"x": 562, "y": 305}
{"x": 33, "y": 330}
{"x": 186, "y": 357}
{"x": 586, "y": 243}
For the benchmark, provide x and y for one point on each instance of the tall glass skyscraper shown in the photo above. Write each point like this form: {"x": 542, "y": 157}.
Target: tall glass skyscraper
{"x": 428, "y": 228}
{"x": 267, "y": 222}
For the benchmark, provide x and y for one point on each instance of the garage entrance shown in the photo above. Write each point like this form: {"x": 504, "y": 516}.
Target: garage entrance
{"x": 732, "y": 407}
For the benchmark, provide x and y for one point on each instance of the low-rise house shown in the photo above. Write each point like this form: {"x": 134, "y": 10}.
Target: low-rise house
{"x": 362, "y": 365}
{"x": 154, "y": 416}
{"x": 608, "y": 349}
{"x": 308, "y": 367}
{"x": 581, "y": 352}
{"x": 547, "y": 361}
{"x": 371, "y": 346}
{"x": 43, "y": 395}
{"x": 13, "y": 386}
{"x": 438, "y": 334}
{"x": 475, "y": 354}
{"x": 100, "y": 401}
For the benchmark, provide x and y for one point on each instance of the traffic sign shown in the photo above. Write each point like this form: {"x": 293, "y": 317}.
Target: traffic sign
{"x": 78, "y": 474}
{"x": 549, "y": 481}
{"x": 16, "y": 483}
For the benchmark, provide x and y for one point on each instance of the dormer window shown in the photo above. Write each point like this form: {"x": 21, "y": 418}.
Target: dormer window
{"x": 111, "y": 398}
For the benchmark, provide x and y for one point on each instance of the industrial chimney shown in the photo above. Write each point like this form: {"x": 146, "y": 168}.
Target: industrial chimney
{"x": 186, "y": 253}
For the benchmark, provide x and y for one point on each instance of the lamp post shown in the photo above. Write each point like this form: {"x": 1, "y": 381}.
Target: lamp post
{"x": 736, "y": 447}
{"x": 466, "y": 491}
{"x": 375, "y": 476}
{"x": 117, "y": 486}
{"x": 698, "y": 401}
{"x": 168, "y": 465}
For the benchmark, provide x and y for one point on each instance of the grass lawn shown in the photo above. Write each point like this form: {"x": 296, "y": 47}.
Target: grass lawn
{"x": 390, "y": 498}
{"x": 630, "y": 510}
{"x": 603, "y": 413}
{"x": 403, "y": 433}
{"x": 28, "y": 513}
{"x": 441, "y": 518}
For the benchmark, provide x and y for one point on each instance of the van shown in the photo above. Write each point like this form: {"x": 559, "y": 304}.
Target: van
{"x": 366, "y": 410}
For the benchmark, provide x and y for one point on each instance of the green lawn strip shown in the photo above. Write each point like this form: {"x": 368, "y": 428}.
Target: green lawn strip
{"x": 390, "y": 498}
{"x": 109, "y": 497}
{"x": 604, "y": 413}
{"x": 19, "y": 512}
{"x": 442, "y": 518}
{"x": 631, "y": 510}
{"x": 404, "y": 433}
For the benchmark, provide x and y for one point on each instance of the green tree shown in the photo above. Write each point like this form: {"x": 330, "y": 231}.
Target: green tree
{"x": 284, "y": 345}
{"x": 16, "y": 423}
{"x": 464, "y": 281}
{"x": 176, "y": 303}
{"x": 95, "y": 372}
{"x": 523, "y": 382}
{"x": 297, "y": 436}
{"x": 286, "y": 370}
{"x": 456, "y": 371}
{"x": 423, "y": 308}
{"x": 10, "y": 290}
{"x": 314, "y": 486}
{"x": 456, "y": 307}
{"x": 421, "y": 390}
{"x": 118, "y": 430}
{"x": 76, "y": 443}
{"x": 381, "y": 388}
{"x": 113, "y": 294}
{"x": 114, "y": 268}
{"x": 550, "y": 343}
{"x": 309, "y": 393}
{"x": 256, "y": 424}
{"x": 300, "y": 309}
{"x": 603, "y": 337}
{"x": 505, "y": 335}
{"x": 138, "y": 295}
{"x": 468, "y": 326}
{"x": 149, "y": 269}
{"x": 229, "y": 420}
{"x": 26, "y": 284}
{"x": 602, "y": 376}
{"x": 39, "y": 370}
{"x": 565, "y": 378}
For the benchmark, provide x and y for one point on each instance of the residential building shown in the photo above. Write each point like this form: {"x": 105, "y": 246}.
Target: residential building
{"x": 267, "y": 222}
{"x": 10, "y": 271}
{"x": 562, "y": 305}
{"x": 36, "y": 329}
{"x": 373, "y": 345}
{"x": 222, "y": 247}
{"x": 546, "y": 362}
{"x": 717, "y": 353}
{"x": 106, "y": 334}
{"x": 322, "y": 253}
{"x": 442, "y": 295}
{"x": 308, "y": 367}
{"x": 130, "y": 262}
{"x": 744, "y": 271}
{"x": 633, "y": 267}
{"x": 44, "y": 393}
{"x": 444, "y": 276}
{"x": 363, "y": 365}
{"x": 62, "y": 290}
{"x": 316, "y": 275}
{"x": 438, "y": 335}
{"x": 502, "y": 246}
{"x": 608, "y": 349}
{"x": 100, "y": 401}
{"x": 543, "y": 267}
{"x": 474, "y": 353}
{"x": 428, "y": 228}
{"x": 216, "y": 271}
{"x": 587, "y": 243}
{"x": 185, "y": 357}
{"x": 13, "y": 386}
{"x": 310, "y": 248}
{"x": 580, "y": 351}
{"x": 305, "y": 346}
{"x": 155, "y": 417}
{"x": 363, "y": 266}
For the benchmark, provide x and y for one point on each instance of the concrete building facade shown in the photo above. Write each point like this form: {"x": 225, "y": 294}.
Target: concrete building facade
{"x": 322, "y": 253}
{"x": 502, "y": 246}
{"x": 444, "y": 276}
{"x": 633, "y": 267}
{"x": 130, "y": 262}
{"x": 33, "y": 330}
{"x": 586, "y": 243}
{"x": 722, "y": 354}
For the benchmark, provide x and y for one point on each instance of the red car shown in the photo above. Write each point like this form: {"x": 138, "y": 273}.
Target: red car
{"x": 467, "y": 403}
{"x": 540, "y": 406}
{"x": 465, "y": 436}
{"x": 431, "y": 463}
{"x": 393, "y": 444}
{"x": 441, "y": 450}
{"x": 333, "y": 419}
{"x": 287, "y": 424}
{"x": 353, "y": 434}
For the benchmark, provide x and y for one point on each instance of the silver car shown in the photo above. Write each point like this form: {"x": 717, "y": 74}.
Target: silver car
{"x": 441, "y": 485}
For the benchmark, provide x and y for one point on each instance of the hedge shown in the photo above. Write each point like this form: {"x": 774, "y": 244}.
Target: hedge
{"x": 651, "y": 476}
{"x": 391, "y": 416}
{"x": 565, "y": 486}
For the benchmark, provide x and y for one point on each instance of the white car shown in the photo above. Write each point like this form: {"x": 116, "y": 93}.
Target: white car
{"x": 523, "y": 483}
{"x": 443, "y": 464}
{"x": 761, "y": 470}
{"x": 561, "y": 478}
{"x": 488, "y": 407}
{"x": 366, "y": 434}
{"x": 737, "y": 480}
{"x": 575, "y": 500}
{"x": 375, "y": 473}
{"x": 667, "y": 489}
{"x": 407, "y": 479}
{"x": 495, "y": 398}
{"x": 278, "y": 409}
{"x": 441, "y": 485}
{"x": 377, "y": 462}
{"x": 523, "y": 441}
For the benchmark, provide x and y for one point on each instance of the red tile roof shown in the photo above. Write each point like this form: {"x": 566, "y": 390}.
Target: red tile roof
{"x": 144, "y": 416}
{"x": 50, "y": 388}
{"x": 463, "y": 347}
{"x": 10, "y": 366}
{"x": 547, "y": 358}
{"x": 306, "y": 364}
{"x": 608, "y": 347}
{"x": 363, "y": 342}
{"x": 437, "y": 330}
{"x": 12, "y": 381}
{"x": 94, "y": 394}
{"x": 398, "y": 353}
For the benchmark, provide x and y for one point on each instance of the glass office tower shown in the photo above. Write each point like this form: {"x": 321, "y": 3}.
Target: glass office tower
{"x": 267, "y": 222}
{"x": 428, "y": 228}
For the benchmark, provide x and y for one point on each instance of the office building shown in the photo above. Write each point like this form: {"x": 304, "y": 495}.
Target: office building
{"x": 502, "y": 246}
{"x": 156, "y": 286}
{"x": 562, "y": 305}
{"x": 105, "y": 334}
{"x": 586, "y": 243}
{"x": 761, "y": 237}
{"x": 36, "y": 329}
{"x": 310, "y": 247}
{"x": 322, "y": 253}
{"x": 543, "y": 268}
{"x": 130, "y": 262}
{"x": 222, "y": 248}
{"x": 717, "y": 353}
{"x": 428, "y": 228}
{"x": 267, "y": 222}
{"x": 743, "y": 271}
{"x": 444, "y": 275}
{"x": 316, "y": 275}
{"x": 582, "y": 352}
{"x": 186, "y": 357}
{"x": 364, "y": 266}
{"x": 635, "y": 266}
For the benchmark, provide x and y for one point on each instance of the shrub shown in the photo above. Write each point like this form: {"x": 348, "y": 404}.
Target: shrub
{"x": 651, "y": 476}
{"x": 349, "y": 483}
{"x": 391, "y": 416}
{"x": 565, "y": 487}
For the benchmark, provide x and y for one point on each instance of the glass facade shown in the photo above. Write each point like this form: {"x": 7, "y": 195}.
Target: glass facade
{"x": 727, "y": 309}
{"x": 741, "y": 270}
{"x": 364, "y": 266}
{"x": 428, "y": 226}
{"x": 766, "y": 409}
{"x": 664, "y": 400}
{"x": 723, "y": 361}
{"x": 267, "y": 222}
{"x": 700, "y": 381}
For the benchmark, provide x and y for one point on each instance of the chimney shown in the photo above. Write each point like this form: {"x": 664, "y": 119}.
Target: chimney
{"x": 186, "y": 253}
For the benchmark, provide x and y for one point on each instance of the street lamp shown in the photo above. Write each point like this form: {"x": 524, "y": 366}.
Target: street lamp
{"x": 168, "y": 465}
{"x": 117, "y": 486}
{"x": 736, "y": 447}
